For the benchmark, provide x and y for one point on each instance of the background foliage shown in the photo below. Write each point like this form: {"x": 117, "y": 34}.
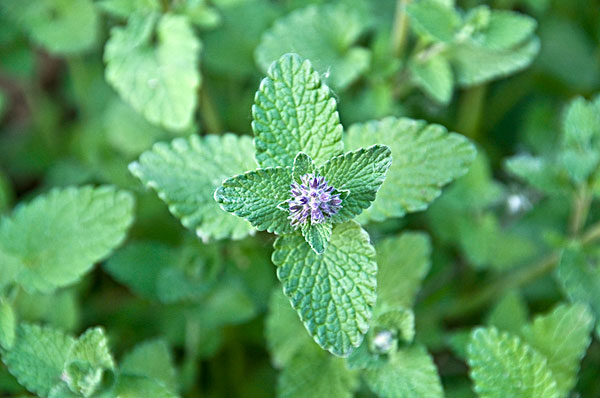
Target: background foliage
{"x": 487, "y": 287}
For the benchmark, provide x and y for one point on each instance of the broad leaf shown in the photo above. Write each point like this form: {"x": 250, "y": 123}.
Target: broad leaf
{"x": 433, "y": 20}
{"x": 153, "y": 64}
{"x": 185, "y": 174}
{"x": 324, "y": 34}
{"x": 361, "y": 173}
{"x": 504, "y": 366}
{"x": 60, "y": 26}
{"x": 56, "y": 238}
{"x": 317, "y": 235}
{"x": 257, "y": 196}
{"x": 315, "y": 374}
{"x": 294, "y": 112}
{"x": 562, "y": 337}
{"x": 151, "y": 359}
{"x": 426, "y": 157}
{"x": 38, "y": 357}
{"x": 128, "y": 386}
{"x": 434, "y": 76}
{"x": 334, "y": 293}
{"x": 506, "y": 29}
{"x": 408, "y": 373}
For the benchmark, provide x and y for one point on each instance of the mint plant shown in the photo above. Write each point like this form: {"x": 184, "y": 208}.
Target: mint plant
{"x": 325, "y": 199}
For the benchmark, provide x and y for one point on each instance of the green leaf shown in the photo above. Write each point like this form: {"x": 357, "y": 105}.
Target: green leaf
{"x": 408, "y": 373}
{"x": 326, "y": 35}
{"x": 294, "y": 112}
{"x": 541, "y": 173}
{"x": 86, "y": 361}
{"x": 433, "y": 20}
{"x": 159, "y": 80}
{"x": 317, "y": 235}
{"x": 128, "y": 386}
{"x": 506, "y": 29}
{"x": 504, "y": 366}
{"x": 361, "y": 173}
{"x": 185, "y": 174}
{"x": 434, "y": 76}
{"x": 60, "y": 26}
{"x": 256, "y": 196}
{"x": 56, "y": 238}
{"x": 151, "y": 359}
{"x": 284, "y": 331}
{"x": 562, "y": 336}
{"x": 38, "y": 356}
{"x": 509, "y": 314}
{"x": 303, "y": 164}
{"x": 403, "y": 261}
{"x": 125, "y": 8}
{"x": 334, "y": 293}
{"x": 579, "y": 277}
{"x": 315, "y": 374}
{"x": 475, "y": 65}
{"x": 426, "y": 157}
{"x": 8, "y": 325}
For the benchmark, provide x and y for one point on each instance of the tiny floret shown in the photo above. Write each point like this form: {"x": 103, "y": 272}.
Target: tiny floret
{"x": 312, "y": 199}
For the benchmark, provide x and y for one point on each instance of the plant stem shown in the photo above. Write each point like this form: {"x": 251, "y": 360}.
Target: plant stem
{"x": 399, "y": 29}
{"x": 581, "y": 207}
{"x": 469, "y": 111}
{"x": 212, "y": 124}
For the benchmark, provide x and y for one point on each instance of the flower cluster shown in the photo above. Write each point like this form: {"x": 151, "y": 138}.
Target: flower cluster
{"x": 313, "y": 198}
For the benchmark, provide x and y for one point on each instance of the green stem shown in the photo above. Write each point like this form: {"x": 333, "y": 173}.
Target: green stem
{"x": 212, "y": 123}
{"x": 399, "y": 29}
{"x": 581, "y": 207}
{"x": 470, "y": 110}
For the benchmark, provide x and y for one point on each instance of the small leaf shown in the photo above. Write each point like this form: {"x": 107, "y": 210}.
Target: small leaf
{"x": 541, "y": 173}
{"x": 8, "y": 325}
{"x": 58, "y": 26}
{"x": 426, "y": 157}
{"x": 562, "y": 336}
{"x": 125, "y": 8}
{"x": 56, "y": 238}
{"x": 434, "y": 77}
{"x": 151, "y": 359}
{"x": 160, "y": 81}
{"x": 504, "y": 366}
{"x": 361, "y": 173}
{"x": 509, "y": 314}
{"x": 303, "y": 164}
{"x": 129, "y": 386}
{"x": 256, "y": 196}
{"x": 317, "y": 236}
{"x": 334, "y": 293}
{"x": 294, "y": 112}
{"x": 313, "y": 373}
{"x": 433, "y": 20}
{"x": 185, "y": 174}
{"x": 408, "y": 373}
{"x": 38, "y": 357}
{"x": 506, "y": 29}
{"x": 324, "y": 34}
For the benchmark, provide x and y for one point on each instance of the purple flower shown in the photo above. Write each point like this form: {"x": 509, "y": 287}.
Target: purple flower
{"x": 312, "y": 199}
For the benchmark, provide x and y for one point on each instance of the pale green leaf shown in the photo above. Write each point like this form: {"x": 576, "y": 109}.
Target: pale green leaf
{"x": 8, "y": 324}
{"x": 129, "y": 386}
{"x": 60, "y": 26}
{"x": 125, "y": 8}
{"x": 506, "y": 29}
{"x": 334, "y": 293}
{"x": 324, "y": 34}
{"x": 317, "y": 235}
{"x": 510, "y": 313}
{"x": 56, "y": 238}
{"x": 503, "y": 366}
{"x": 433, "y": 20}
{"x": 185, "y": 174}
{"x": 541, "y": 173}
{"x": 284, "y": 331}
{"x": 361, "y": 174}
{"x": 434, "y": 76}
{"x": 294, "y": 112}
{"x": 408, "y": 373}
{"x": 151, "y": 359}
{"x": 303, "y": 164}
{"x": 38, "y": 357}
{"x": 426, "y": 157}
{"x": 160, "y": 80}
{"x": 316, "y": 374}
{"x": 579, "y": 277}
{"x": 475, "y": 65}
{"x": 257, "y": 196}
{"x": 562, "y": 336}
{"x": 402, "y": 261}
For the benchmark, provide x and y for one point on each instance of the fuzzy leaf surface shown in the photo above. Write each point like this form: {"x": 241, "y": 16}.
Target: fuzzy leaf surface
{"x": 334, "y": 293}
{"x": 185, "y": 174}
{"x": 151, "y": 359}
{"x": 294, "y": 112}
{"x": 426, "y": 157}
